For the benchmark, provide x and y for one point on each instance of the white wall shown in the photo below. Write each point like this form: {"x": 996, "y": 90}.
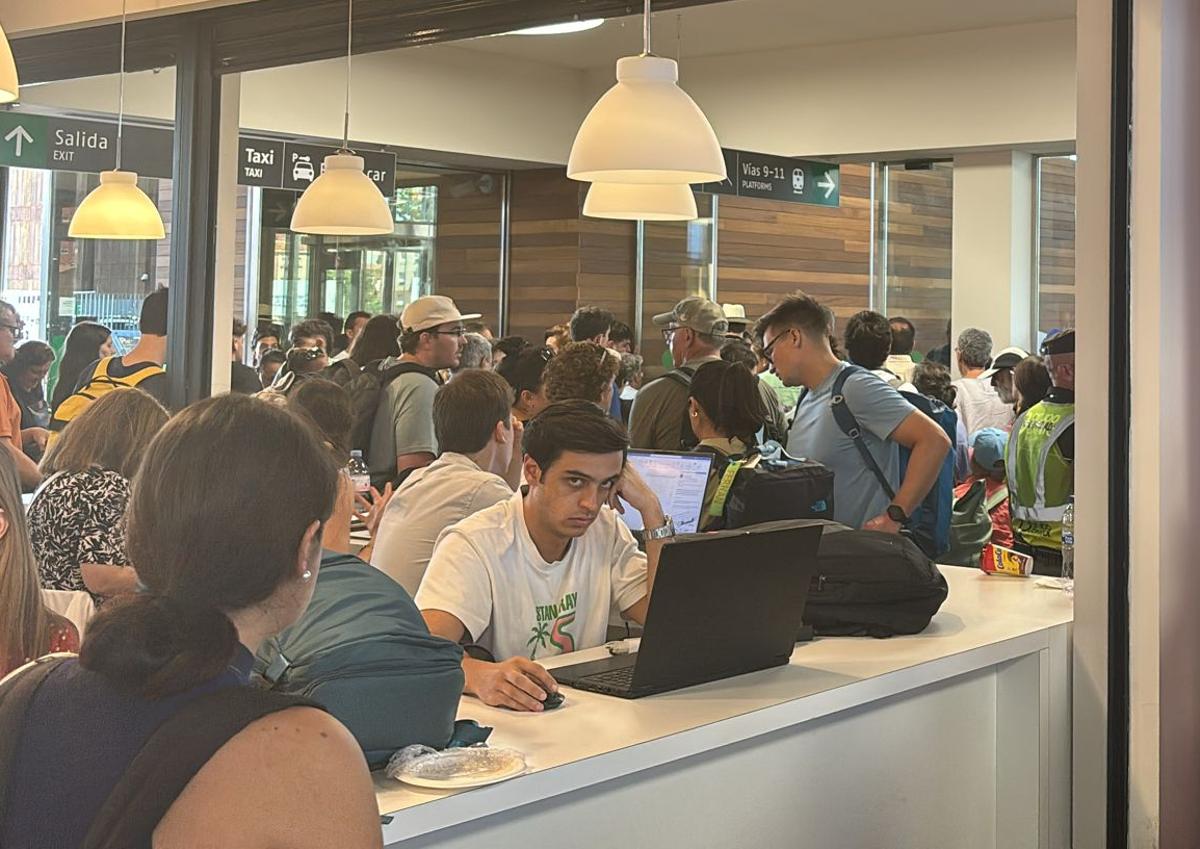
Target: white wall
{"x": 1003, "y": 86}
{"x": 28, "y": 16}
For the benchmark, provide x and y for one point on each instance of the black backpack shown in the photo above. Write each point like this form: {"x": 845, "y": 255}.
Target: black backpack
{"x": 177, "y": 750}
{"x": 873, "y": 584}
{"x": 365, "y": 391}
{"x": 756, "y": 488}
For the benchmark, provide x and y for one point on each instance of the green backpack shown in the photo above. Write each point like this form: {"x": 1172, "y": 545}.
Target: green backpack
{"x": 363, "y": 652}
{"x": 971, "y": 525}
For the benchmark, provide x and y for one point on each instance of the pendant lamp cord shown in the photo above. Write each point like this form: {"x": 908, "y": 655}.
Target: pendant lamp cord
{"x": 349, "y": 48}
{"x": 121, "y": 88}
{"x": 646, "y": 30}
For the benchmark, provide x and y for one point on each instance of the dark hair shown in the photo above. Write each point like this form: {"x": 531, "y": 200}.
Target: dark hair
{"x": 111, "y": 433}
{"x": 904, "y": 335}
{"x": 201, "y": 558}
{"x": 581, "y": 370}
{"x": 1031, "y": 379}
{"x": 30, "y": 355}
{"x": 153, "y": 320}
{"x": 572, "y": 426}
{"x": 631, "y": 364}
{"x": 272, "y": 355}
{"x": 314, "y": 328}
{"x": 353, "y": 317}
{"x": 82, "y": 349}
{"x": 799, "y": 311}
{"x": 525, "y": 371}
{"x": 589, "y": 322}
{"x": 265, "y": 331}
{"x": 377, "y": 341}
{"x": 728, "y": 394}
{"x": 933, "y": 381}
{"x": 409, "y": 340}
{"x": 868, "y": 339}
{"x": 332, "y": 320}
{"x": 620, "y": 332}
{"x": 739, "y": 351}
{"x": 466, "y": 410}
{"x": 510, "y": 345}
{"x": 239, "y": 327}
{"x": 327, "y": 406}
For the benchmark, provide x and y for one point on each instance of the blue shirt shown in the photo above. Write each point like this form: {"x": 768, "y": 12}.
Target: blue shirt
{"x": 79, "y": 737}
{"x": 857, "y": 495}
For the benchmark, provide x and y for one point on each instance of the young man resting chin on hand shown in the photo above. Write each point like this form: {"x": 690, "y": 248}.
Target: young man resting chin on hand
{"x": 537, "y": 575}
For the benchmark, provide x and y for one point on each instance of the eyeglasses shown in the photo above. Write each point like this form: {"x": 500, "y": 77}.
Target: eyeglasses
{"x": 460, "y": 332}
{"x": 17, "y": 330}
{"x": 668, "y": 332}
{"x": 768, "y": 350}
{"x": 307, "y": 353}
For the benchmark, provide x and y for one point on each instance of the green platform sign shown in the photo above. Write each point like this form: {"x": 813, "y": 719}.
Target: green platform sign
{"x": 65, "y": 144}
{"x": 763, "y": 175}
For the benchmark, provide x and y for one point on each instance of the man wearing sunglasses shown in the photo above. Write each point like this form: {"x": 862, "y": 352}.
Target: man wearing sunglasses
{"x": 11, "y": 331}
{"x": 694, "y": 332}
{"x": 432, "y": 332}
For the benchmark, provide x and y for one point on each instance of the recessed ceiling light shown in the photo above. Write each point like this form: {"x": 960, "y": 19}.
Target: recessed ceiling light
{"x": 560, "y": 29}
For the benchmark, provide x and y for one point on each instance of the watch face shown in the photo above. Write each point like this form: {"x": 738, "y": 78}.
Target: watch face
{"x": 896, "y": 514}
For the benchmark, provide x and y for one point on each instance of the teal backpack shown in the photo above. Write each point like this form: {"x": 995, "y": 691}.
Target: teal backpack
{"x": 363, "y": 652}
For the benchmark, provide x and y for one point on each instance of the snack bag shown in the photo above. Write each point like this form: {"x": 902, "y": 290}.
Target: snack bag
{"x": 998, "y": 560}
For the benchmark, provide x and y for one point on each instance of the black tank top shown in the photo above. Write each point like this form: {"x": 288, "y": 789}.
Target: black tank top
{"x": 79, "y": 736}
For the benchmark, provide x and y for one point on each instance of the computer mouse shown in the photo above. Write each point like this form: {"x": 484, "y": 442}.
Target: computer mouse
{"x": 552, "y": 701}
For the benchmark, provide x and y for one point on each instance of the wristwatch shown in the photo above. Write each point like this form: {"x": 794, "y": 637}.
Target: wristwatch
{"x": 665, "y": 532}
{"x": 896, "y": 513}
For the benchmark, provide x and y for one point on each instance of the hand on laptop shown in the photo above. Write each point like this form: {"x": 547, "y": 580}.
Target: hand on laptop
{"x": 516, "y": 683}
{"x": 634, "y": 489}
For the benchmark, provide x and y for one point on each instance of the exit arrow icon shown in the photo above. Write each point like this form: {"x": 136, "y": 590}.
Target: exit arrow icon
{"x": 828, "y": 183}
{"x": 21, "y": 135}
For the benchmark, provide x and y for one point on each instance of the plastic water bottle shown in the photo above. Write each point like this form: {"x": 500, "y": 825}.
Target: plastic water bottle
{"x": 360, "y": 475}
{"x": 1068, "y": 547}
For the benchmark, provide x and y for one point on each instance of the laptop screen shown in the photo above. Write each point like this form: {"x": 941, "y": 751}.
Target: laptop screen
{"x": 678, "y": 480}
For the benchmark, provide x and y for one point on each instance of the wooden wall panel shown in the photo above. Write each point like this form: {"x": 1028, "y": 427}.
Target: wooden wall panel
{"x": 1056, "y": 245}
{"x": 678, "y": 259}
{"x": 467, "y": 249}
{"x": 769, "y": 249}
{"x": 919, "y": 221}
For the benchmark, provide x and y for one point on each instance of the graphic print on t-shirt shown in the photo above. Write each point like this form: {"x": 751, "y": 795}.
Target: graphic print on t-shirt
{"x": 553, "y": 620}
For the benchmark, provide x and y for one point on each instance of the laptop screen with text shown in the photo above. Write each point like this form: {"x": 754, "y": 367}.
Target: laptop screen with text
{"x": 678, "y": 479}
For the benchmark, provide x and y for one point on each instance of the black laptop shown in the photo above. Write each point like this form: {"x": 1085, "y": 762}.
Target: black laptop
{"x": 724, "y": 604}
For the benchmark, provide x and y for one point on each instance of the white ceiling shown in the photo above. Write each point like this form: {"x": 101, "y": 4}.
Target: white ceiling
{"x": 741, "y": 26}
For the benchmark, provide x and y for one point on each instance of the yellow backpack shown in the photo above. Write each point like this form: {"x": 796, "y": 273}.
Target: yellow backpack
{"x": 100, "y": 384}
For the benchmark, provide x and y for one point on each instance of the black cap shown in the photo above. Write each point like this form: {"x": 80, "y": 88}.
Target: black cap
{"x": 1062, "y": 342}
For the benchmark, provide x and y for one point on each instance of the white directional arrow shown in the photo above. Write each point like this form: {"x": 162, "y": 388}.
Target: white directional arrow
{"x": 21, "y": 135}
{"x": 828, "y": 183}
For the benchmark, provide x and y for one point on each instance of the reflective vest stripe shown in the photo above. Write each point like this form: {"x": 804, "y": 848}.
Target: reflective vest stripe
{"x": 1038, "y": 511}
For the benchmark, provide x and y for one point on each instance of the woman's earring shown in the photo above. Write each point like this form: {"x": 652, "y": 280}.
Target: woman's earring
{"x": 306, "y": 574}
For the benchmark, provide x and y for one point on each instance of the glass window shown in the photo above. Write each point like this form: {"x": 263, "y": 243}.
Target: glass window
{"x": 916, "y": 212}
{"x": 1055, "y": 267}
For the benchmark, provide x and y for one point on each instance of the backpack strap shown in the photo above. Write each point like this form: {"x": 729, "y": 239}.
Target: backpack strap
{"x": 849, "y": 425}
{"x": 172, "y": 756}
{"x": 683, "y": 376}
{"x": 16, "y": 695}
{"x": 717, "y": 508}
{"x": 387, "y": 375}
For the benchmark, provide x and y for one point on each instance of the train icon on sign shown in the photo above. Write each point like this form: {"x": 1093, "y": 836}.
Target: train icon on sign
{"x": 302, "y": 169}
{"x": 798, "y": 181}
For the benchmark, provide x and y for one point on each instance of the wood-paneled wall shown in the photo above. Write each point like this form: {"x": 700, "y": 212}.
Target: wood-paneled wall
{"x": 1056, "y": 244}
{"x": 678, "y": 263}
{"x": 770, "y": 249}
{"x": 467, "y": 252}
{"x": 920, "y": 225}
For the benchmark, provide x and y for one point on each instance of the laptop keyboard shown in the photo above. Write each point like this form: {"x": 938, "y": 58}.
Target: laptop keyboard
{"x": 617, "y": 679}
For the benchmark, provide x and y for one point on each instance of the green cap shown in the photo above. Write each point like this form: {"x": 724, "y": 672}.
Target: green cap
{"x": 700, "y": 314}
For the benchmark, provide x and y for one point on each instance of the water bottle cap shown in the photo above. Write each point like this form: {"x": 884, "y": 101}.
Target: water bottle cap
{"x": 357, "y": 452}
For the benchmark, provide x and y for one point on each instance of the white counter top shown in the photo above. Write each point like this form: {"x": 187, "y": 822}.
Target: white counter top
{"x": 594, "y": 738}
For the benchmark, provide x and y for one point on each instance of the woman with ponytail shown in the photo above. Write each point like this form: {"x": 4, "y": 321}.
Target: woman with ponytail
{"x": 219, "y": 576}
{"x": 726, "y": 411}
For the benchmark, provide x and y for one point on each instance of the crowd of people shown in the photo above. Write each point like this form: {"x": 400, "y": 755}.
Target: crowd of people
{"x": 495, "y": 465}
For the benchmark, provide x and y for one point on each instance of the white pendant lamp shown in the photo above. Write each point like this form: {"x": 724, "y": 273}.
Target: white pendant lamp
{"x": 117, "y": 208}
{"x": 343, "y": 201}
{"x": 646, "y": 129}
{"x": 10, "y": 87}
{"x": 640, "y": 202}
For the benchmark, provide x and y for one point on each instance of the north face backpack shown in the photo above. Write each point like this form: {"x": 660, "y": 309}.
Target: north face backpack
{"x": 362, "y": 651}
{"x": 769, "y": 487}
{"x": 873, "y": 584}
{"x": 366, "y": 390}
{"x": 100, "y": 384}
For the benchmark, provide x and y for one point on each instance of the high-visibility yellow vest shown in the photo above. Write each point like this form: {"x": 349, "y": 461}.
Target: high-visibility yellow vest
{"x": 1040, "y": 479}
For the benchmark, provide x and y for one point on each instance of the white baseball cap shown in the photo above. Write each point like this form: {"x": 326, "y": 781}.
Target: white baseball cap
{"x": 430, "y": 311}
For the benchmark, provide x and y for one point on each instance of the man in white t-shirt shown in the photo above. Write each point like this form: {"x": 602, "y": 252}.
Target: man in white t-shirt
{"x": 977, "y": 402}
{"x": 540, "y": 574}
{"x": 480, "y": 466}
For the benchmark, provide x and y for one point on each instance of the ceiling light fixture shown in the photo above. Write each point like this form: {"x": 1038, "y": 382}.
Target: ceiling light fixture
{"x": 10, "y": 86}
{"x": 641, "y": 202}
{"x": 343, "y": 201}
{"x": 117, "y": 208}
{"x": 646, "y": 129}
{"x": 559, "y": 29}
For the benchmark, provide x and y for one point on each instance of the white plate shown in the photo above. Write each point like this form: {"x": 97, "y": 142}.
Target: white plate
{"x": 516, "y": 766}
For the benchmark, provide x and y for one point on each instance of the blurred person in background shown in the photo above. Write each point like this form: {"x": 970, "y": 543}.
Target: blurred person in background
{"x": 26, "y": 378}
{"x": 476, "y": 354}
{"x": 242, "y": 378}
{"x": 526, "y": 374}
{"x": 87, "y": 342}
{"x": 506, "y": 347}
{"x": 582, "y": 371}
